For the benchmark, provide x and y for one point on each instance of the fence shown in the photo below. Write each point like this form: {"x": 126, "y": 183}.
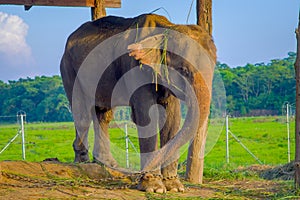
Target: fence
{"x": 268, "y": 139}
{"x": 20, "y": 118}
{"x": 239, "y": 141}
{"x": 245, "y": 141}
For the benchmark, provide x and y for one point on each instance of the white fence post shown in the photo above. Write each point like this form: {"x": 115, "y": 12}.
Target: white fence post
{"x": 23, "y": 136}
{"x": 227, "y": 140}
{"x": 288, "y": 131}
{"x": 126, "y": 143}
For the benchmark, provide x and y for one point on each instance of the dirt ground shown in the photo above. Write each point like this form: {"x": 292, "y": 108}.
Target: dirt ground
{"x": 54, "y": 180}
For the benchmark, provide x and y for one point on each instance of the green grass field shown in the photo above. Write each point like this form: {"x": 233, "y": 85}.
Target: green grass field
{"x": 265, "y": 137}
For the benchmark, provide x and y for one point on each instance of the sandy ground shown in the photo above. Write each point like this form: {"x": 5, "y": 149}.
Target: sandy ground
{"x": 54, "y": 180}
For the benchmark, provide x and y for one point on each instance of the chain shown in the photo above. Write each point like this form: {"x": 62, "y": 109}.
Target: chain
{"x": 126, "y": 180}
{"x": 107, "y": 183}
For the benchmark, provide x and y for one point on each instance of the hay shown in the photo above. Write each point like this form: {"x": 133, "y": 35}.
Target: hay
{"x": 282, "y": 172}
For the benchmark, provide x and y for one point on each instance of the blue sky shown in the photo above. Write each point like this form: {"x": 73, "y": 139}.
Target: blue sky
{"x": 245, "y": 31}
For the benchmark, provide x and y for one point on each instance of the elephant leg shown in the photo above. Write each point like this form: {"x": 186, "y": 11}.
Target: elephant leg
{"x": 81, "y": 113}
{"x": 169, "y": 124}
{"x": 101, "y": 152}
{"x": 143, "y": 116}
{"x": 80, "y": 144}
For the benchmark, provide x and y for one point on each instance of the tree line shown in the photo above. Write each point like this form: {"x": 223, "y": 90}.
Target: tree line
{"x": 253, "y": 89}
{"x": 259, "y": 89}
{"x": 42, "y": 98}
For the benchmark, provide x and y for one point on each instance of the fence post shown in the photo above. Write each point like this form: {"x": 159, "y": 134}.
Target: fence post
{"x": 227, "y": 140}
{"x": 288, "y": 131}
{"x": 126, "y": 143}
{"x": 23, "y": 136}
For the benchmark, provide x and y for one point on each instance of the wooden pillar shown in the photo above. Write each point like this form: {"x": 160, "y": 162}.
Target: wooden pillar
{"x": 297, "y": 120}
{"x": 98, "y": 10}
{"x": 204, "y": 14}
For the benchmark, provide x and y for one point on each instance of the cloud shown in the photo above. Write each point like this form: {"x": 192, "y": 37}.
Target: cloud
{"x": 15, "y": 53}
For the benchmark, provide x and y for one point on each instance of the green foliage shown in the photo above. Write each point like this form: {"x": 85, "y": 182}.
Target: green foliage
{"x": 259, "y": 89}
{"x": 42, "y": 98}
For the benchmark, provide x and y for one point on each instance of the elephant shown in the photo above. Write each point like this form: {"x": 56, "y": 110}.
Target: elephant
{"x": 149, "y": 64}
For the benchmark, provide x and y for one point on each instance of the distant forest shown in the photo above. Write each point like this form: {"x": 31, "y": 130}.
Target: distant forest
{"x": 251, "y": 90}
{"x": 259, "y": 89}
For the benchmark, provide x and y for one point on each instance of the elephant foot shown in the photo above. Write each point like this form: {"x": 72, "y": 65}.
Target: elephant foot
{"x": 173, "y": 184}
{"x": 151, "y": 183}
{"x": 81, "y": 156}
{"x": 110, "y": 162}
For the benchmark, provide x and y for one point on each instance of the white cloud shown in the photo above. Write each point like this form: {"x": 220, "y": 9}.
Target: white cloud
{"x": 13, "y": 32}
{"x": 15, "y": 53}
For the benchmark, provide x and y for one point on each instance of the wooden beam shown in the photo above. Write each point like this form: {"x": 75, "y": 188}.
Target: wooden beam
{"x": 72, "y": 3}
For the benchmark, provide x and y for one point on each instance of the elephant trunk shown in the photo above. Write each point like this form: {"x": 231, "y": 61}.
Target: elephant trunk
{"x": 164, "y": 156}
{"x": 196, "y": 152}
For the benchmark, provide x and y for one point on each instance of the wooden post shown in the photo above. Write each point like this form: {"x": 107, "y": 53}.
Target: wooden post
{"x": 204, "y": 14}
{"x": 297, "y": 120}
{"x": 98, "y": 10}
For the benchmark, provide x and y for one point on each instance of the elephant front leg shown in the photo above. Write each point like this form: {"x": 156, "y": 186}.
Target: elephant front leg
{"x": 146, "y": 123}
{"x": 169, "y": 123}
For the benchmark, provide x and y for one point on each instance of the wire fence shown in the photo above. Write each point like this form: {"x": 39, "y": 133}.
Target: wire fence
{"x": 12, "y": 129}
{"x": 260, "y": 140}
{"x": 243, "y": 141}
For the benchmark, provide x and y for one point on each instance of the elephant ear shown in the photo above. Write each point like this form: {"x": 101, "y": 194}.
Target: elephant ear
{"x": 147, "y": 51}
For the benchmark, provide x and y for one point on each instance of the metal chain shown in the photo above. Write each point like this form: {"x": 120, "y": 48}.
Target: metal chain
{"x": 108, "y": 183}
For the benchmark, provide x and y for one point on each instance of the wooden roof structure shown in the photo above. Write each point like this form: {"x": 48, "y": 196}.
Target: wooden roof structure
{"x": 98, "y": 6}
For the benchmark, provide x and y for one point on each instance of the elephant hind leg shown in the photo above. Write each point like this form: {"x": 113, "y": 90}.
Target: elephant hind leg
{"x": 101, "y": 152}
{"x": 81, "y": 115}
{"x": 80, "y": 144}
{"x": 82, "y": 119}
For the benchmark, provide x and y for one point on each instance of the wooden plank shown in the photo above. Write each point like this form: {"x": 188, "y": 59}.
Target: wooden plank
{"x": 87, "y": 3}
{"x": 73, "y": 3}
{"x": 112, "y": 3}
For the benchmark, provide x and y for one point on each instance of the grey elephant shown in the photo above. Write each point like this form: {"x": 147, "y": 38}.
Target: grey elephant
{"x": 149, "y": 64}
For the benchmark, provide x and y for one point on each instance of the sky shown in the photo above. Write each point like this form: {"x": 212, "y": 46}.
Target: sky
{"x": 245, "y": 31}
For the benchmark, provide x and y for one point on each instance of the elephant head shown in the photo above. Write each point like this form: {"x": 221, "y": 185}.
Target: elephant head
{"x": 189, "y": 59}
